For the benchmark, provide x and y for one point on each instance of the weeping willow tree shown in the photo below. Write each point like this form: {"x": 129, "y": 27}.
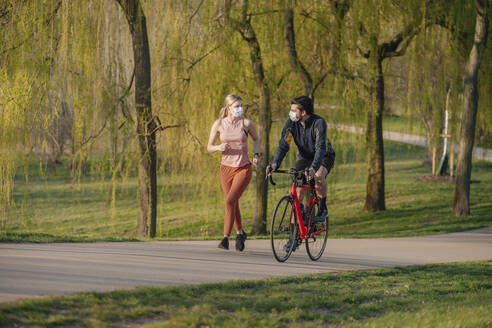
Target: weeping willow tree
{"x": 26, "y": 64}
{"x": 434, "y": 72}
{"x": 243, "y": 26}
{"x": 73, "y": 94}
{"x": 467, "y": 23}
{"x": 461, "y": 200}
{"x": 146, "y": 124}
{"x": 69, "y": 90}
{"x": 334, "y": 15}
{"x": 378, "y": 35}
{"x": 315, "y": 37}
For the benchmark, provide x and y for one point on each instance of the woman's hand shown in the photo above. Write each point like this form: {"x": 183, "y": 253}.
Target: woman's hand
{"x": 271, "y": 168}
{"x": 255, "y": 160}
{"x": 223, "y": 147}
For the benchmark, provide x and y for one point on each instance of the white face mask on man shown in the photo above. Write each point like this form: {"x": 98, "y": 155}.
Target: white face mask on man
{"x": 293, "y": 116}
{"x": 238, "y": 111}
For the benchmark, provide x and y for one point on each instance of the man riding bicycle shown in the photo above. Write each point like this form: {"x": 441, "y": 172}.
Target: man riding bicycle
{"x": 315, "y": 152}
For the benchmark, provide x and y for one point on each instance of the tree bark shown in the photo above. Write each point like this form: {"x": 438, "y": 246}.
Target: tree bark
{"x": 461, "y": 199}
{"x": 375, "y": 198}
{"x": 290, "y": 43}
{"x": 264, "y": 124}
{"x": 247, "y": 32}
{"x": 374, "y": 138}
{"x": 147, "y": 177}
{"x": 452, "y": 146}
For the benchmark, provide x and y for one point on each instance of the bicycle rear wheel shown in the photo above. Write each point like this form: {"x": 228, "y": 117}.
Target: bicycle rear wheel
{"x": 317, "y": 235}
{"x": 283, "y": 230}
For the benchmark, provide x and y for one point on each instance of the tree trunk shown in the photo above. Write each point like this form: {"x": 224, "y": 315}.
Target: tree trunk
{"x": 147, "y": 177}
{"x": 451, "y": 156}
{"x": 374, "y": 138}
{"x": 247, "y": 32}
{"x": 374, "y": 135}
{"x": 434, "y": 159}
{"x": 461, "y": 201}
{"x": 264, "y": 124}
{"x": 290, "y": 43}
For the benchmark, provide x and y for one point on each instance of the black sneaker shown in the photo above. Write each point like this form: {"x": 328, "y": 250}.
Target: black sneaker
{"x": 320, "y": 218}
{"x": 224, "y": 243}
{"x": 287, "y": 246}
{"x": 240, "y": 238}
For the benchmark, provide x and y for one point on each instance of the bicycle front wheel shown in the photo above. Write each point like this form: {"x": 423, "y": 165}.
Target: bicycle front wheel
{"x": 317, "y": 235}
{"x": 283, "y": 230}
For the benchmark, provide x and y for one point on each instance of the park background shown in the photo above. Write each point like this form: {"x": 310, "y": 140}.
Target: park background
{"x": 77, "y": 147}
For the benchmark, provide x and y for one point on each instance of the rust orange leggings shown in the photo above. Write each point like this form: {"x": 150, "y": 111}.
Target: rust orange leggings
{"x": 234, "y": 181}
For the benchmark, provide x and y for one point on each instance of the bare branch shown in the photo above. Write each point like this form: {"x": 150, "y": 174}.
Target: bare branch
{"x": 159, "y": 127}
{"x": 399, "y": 44}
{"x": 309, "y": 16}
{"x": 162, "y": 128}
{"x": 58, "y": 146}
{"x": 199, "y": 59}
{"x": 197, "y": 141}
{"x": 318, "y": 83}
{"x": 127, "y": 91}
{"x": 290, "y": 43}
{"x": 481, "y": 7}
{"x": 196, "y": 11}
{"x": 94, "y": 136}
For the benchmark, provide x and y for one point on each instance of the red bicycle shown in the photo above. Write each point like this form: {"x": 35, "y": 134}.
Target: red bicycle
{"x": 293, "y": 223}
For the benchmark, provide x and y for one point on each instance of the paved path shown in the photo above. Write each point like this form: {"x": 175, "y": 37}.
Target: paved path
{"x": 477, "y": 152}
{"x": 30, "y": 270}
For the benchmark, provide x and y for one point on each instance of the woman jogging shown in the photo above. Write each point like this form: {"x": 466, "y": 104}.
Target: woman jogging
{"x": 235, "y": 168}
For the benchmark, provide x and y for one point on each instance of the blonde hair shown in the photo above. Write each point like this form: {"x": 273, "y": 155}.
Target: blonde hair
{"x": 229, "y": 100}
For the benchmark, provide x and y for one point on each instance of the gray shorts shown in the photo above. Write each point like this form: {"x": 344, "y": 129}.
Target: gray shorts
{"x": 302, "y": 163}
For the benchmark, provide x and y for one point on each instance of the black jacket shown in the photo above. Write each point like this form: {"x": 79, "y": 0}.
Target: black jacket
{"x": 311, "y": 141}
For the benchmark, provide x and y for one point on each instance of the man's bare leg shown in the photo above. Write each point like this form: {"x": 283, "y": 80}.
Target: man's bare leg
{"x": 321, "y": 189}
{"x": 320, "y": 181}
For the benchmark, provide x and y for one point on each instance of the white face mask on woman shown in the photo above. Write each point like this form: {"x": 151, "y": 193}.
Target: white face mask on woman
{"x": 237, "y": 111}
{"x": 293, "y": 116}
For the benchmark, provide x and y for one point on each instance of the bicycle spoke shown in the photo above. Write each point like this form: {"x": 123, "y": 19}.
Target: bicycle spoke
{"x": 317, "y": 236}
{"x": 282, "y": 235}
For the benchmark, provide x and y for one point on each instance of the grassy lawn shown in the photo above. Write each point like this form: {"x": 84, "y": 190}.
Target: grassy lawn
{"x": 52, "y": 208}
{"x": 444, "y": 295}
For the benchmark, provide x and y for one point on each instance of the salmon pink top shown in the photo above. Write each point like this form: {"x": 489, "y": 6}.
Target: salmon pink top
{"x": 233, "y": 133}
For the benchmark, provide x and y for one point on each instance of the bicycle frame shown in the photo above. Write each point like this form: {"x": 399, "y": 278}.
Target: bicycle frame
{"x": 293, "y": 192}
{"x": 300, "y": 221}
{"x": 301, "y": 231}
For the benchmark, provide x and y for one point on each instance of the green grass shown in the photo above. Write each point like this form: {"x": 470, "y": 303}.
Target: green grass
{"x": 52, "y": 208}
{"x": 444, "y": 295}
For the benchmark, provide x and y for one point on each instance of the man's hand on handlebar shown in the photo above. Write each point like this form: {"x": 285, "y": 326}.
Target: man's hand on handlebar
{"x": 271, "y": 168}
{"x": 310, "y": 173}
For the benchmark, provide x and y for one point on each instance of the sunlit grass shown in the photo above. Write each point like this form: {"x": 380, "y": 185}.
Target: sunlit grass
{"x": 192, "y": 206}
{"x": 444, "y": 295}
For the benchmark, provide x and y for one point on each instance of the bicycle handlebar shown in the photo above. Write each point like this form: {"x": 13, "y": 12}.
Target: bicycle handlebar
{"x": 292, "y": 171}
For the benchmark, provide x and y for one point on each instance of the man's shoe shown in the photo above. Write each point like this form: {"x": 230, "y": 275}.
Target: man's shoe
{"x": 240, "y": 238}
{"x": 320, "y": 218}
{"x": 287, "y": 246}
{"x": 224, "y": 243}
